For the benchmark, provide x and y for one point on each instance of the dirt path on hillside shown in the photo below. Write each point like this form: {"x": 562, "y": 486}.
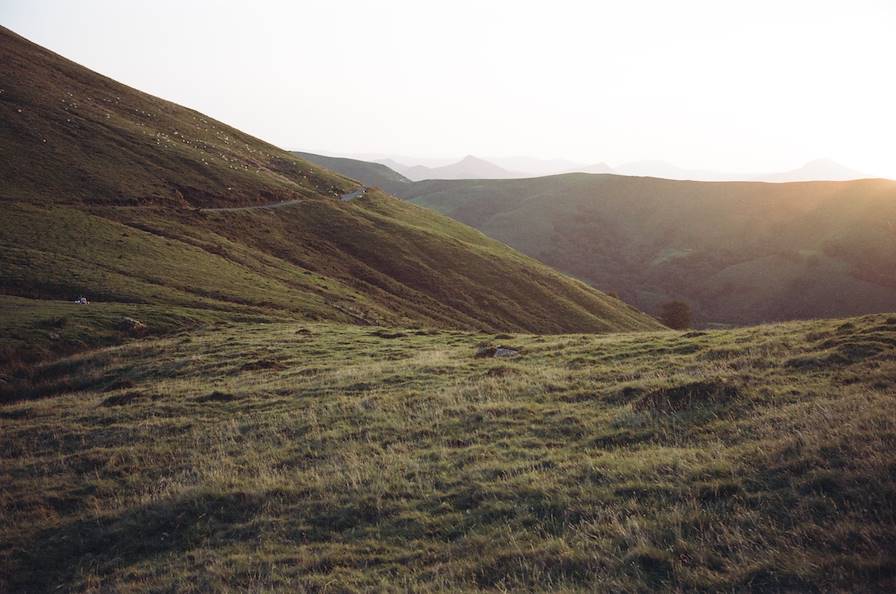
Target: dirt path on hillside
{"x": 347, "y": 197}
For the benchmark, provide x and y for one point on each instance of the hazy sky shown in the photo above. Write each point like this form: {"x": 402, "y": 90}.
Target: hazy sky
{"x": 738, "y": 86}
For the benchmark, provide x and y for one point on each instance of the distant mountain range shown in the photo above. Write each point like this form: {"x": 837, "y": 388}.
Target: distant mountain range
{"x": 820, "y": 169}
{"x": 594, "y": 168}
{"x": 469, "y": 167}
{"x": 396, "y": 173}
{"x": 666, "y": 170}
{"x": 533, "y": 167}
{"x": 472, "y": 167}
{"x": 817, "y": 170}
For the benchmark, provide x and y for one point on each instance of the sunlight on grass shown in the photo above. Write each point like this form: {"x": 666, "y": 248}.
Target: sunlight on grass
{"x": 334, "y": 456}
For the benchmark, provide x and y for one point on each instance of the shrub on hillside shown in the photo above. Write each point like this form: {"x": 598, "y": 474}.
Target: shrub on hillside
{"x": 676, "y": 315}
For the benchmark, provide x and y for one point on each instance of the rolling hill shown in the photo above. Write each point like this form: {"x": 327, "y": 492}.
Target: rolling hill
{"x": 125, "y": 198}
{"x": 738, "y": 252}
{"x": 369, "y": 173}
{"x": 290, "y": 382}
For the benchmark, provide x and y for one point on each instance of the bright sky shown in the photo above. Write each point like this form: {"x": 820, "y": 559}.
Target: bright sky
{"x": 738, "y": 86}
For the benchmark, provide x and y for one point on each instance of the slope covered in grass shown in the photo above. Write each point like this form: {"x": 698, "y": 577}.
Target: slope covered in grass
{"x": 738, "y": 252}
{"x": 117, "y": 195}
{"x": 71, "y": 135}
{"x": 366, "y": 172}
{"x": 312, "y": 457}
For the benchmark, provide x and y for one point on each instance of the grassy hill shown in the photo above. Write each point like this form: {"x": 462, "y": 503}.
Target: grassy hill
{"x": 312, "y": 457}
{"x": 116, "y": 195}
{"x": 368, "y": 173}
{"x": 71, "y": 135}
{"x": 738, "y": 252}
{"x": 289, "y": 382}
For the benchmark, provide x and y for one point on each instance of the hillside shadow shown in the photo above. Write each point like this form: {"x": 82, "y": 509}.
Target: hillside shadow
{"x": 54, "y": 558}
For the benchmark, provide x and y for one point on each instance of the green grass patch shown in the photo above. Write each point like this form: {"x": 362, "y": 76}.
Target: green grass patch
{"x": 303, "y": 456}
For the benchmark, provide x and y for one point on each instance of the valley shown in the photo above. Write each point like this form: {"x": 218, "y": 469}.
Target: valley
{"x": 227, "y": 367}
{"x": 124, "y": 198}
{"x": 736, "y": 252}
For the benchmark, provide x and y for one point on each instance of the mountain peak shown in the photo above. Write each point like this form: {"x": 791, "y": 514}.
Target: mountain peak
{"x": 601, "y": 167}
{"x": 469, "y": 167}
{"x": 824, "y": 169}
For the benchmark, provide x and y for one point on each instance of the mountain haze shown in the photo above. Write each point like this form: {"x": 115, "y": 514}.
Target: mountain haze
{"x": 666, "y": 170}
{"x": 469, "y": 167}
{"x": 593, "y": 168}
{"x": 819, "y": 169}
{"x": 523, "y": 167}
{"x": 533, "y": 167}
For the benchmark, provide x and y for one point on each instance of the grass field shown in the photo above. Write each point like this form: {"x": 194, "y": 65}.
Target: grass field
{"x": 323, "y": 457}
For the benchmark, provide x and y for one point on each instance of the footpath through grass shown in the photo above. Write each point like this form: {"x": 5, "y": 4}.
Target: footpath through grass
{"x": 314, "y": 457}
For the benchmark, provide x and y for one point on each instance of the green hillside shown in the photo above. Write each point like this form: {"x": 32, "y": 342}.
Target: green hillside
{"x": 738, "y": 252}
{"x": 290, "y": 381}
{"x": 125, "y": 198}
{"x": 371, "y": 174}
{"x": 71, "y": 135}
{"x": 321, "y": 457}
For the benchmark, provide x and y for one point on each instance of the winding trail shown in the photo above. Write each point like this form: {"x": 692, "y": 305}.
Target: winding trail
{"x": 347, "y": 197}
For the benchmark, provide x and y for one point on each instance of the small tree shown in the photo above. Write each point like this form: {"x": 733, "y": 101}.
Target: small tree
{"x": 676, "y": 315}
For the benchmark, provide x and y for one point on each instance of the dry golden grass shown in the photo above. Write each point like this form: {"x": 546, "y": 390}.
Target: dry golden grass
{"x": 333, "y": 459}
